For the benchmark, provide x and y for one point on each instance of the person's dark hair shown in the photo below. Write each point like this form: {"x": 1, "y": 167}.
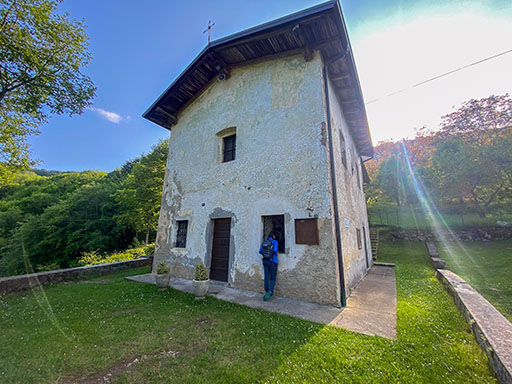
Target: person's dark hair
{"x": 271, "y": 234}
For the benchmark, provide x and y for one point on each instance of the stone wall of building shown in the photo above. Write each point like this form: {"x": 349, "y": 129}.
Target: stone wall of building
{"x": 277, "y": 111}
{"x": 351, "y": 198}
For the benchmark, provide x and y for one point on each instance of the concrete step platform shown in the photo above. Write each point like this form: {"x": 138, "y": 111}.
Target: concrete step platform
{"x": 371, "y": 308}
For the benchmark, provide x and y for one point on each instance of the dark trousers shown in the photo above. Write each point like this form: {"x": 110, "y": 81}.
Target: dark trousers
{"x": 270, "y": 269}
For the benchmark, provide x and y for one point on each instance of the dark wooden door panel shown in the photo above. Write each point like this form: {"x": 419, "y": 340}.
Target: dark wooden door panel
{"x": 219, "y": 264}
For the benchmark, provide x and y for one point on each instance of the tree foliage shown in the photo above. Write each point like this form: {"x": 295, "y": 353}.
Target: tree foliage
{"x": 41, "y": 56}
{"x": 476, "y": 174}
{"x": 467, "y": 161}
{"x": 140, "y": 194}
{"x": 54, "y": 219}
{"x": 478, "y": 121}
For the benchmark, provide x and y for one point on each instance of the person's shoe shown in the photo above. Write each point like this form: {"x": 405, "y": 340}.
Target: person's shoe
{"x": 267, "y": 296}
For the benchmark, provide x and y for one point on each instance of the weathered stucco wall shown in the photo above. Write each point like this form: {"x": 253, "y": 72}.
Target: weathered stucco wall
{"x": 280, "y": 169}
{"x": 351, "y": 198}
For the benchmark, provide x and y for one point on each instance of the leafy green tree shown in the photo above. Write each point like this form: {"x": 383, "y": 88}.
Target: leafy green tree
{"x": 393, "y": 179}
{"x": 141, "y": 193}
{"x": 479, "y": 174}
{"x": 35, "y": 212}
{"x": 473, "y": 160}
{"x": 41, "y": 55}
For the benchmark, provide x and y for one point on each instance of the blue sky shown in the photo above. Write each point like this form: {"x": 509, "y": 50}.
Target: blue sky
{"x": 140, "y": 47}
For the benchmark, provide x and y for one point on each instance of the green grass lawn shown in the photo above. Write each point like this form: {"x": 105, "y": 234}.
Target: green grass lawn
{"x": 95, "y": 328}
{"x": 487, "y": 266}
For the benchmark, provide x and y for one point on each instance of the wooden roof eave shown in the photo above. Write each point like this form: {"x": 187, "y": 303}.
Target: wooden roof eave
{"x": 366, "y": 148}
{"x": 236, "y": 37}
{"x": 194, "y": 80}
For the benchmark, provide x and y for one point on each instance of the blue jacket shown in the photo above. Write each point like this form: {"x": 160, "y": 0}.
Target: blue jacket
{"x": 274, "y": 258}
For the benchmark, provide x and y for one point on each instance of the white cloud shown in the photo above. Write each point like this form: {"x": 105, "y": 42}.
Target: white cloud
{"x": 401, "y": 55}
{"x": 108, "y": 115}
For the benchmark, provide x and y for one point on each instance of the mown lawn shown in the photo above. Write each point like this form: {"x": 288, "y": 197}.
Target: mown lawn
{"x": 97, "y": 328}
{"x": 487, "y": 266}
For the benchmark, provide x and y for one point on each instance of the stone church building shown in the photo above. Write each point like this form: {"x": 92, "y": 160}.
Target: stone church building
{"x": 268, "y": 132}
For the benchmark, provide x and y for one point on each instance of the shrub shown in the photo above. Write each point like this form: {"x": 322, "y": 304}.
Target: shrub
{"x": 118, "y": 256}
{"x": 201, "y": 272}
{"x": 47, "y": 267}
{"x": 137, "y": 243}
{"x": 138, "y": 252}
{"x": 93, "y": 258}
{"x": 142, "y": 250}
{"x": 162, "y": 268}
{"x": 90, "y": 258}
{"x": 150, "y": 249}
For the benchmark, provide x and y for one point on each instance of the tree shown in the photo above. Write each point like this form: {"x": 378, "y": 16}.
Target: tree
{"x": 393, "y": 180}
{"x": 477, "y": 174}
{"x": 479, "y": 121}
{"x": 41, "y": 54}
{"x": 419, "y": 149}
{"x": 141, "y": 193}
{"x": 473, "y": 161}
{"x": 54, "y": 219}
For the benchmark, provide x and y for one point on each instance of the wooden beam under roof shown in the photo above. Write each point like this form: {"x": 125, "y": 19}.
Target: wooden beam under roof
{"x": 321, "y": 27}
{"x": 337, "y": 57}
{"x": 225, "y": 68}
{"x": 272, "y": 33}
{"x": 274, "y": 56}
{"x": 341, "y": 77}
{"x": 171, "y": 119}
{"x": 300, "y": 36}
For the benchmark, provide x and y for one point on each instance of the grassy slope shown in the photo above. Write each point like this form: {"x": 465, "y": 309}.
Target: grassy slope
{"x": 218, "y": 342}
{"x": 487, "y": 266}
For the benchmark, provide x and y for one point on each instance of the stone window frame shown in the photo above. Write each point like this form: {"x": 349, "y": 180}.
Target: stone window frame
{"x": 226, "y": 132}
{"x": 283, "y": 247}
{"x": 184, "y": 236}
{"x": 174, "y": 232}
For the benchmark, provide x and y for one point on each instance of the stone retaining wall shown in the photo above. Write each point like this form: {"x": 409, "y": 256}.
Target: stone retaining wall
{"x": 492, "y": 330}
{"x": 21, "y": 282}
{"x": 459, "y": 234}
{"x": 437, "y": 262}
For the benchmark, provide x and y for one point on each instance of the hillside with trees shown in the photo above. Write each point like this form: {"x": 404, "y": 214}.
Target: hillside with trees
{"x": 465, "y": 167}
{"x": 51, "y": 221}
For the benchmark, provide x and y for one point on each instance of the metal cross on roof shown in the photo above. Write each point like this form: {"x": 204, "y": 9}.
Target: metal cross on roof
{"x": 210, "y": 26}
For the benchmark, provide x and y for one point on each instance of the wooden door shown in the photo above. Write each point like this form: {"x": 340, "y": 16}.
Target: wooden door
{"x": 219, "y": 265}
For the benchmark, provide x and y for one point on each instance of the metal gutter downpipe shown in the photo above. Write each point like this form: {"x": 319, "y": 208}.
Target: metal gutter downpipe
{"x": 334, "y": 193}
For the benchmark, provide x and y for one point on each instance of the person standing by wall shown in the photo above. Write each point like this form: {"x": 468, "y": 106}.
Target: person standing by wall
{"x": 269, "y": 252}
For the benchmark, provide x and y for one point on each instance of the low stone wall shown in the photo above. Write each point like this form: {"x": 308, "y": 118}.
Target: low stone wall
{"x": 21, "y": 282}
{"x": 492, "y": 330}
{"x": 458, "y": 234}
{"x": 437, "y": 262}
